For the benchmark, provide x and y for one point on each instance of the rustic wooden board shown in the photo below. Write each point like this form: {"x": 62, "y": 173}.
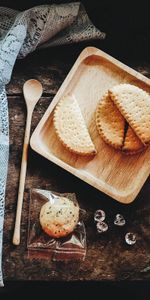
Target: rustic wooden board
{"x": 108, "y": 258}
{"x": 90, "y": 77}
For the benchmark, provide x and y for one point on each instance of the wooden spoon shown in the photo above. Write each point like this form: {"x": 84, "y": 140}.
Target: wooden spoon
{"x": 32, "y": 91}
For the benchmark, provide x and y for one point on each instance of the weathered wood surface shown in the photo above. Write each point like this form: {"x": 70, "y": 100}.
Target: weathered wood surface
{"x": 108, "y": 256}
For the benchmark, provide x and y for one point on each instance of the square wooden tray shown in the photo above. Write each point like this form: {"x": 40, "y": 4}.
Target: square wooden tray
{"x": 116, "y": 174}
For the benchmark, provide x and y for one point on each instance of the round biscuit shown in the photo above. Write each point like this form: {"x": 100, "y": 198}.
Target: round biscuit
{"x": 58, "y": 219}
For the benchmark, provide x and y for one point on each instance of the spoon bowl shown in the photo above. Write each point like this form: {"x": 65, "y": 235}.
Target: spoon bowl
{"x": 32, "y": 91}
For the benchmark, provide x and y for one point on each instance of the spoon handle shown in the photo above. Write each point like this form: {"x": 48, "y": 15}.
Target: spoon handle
{"x": 16, "y": 236}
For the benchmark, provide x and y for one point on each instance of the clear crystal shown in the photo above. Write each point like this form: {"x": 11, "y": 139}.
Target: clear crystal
{"x": 119, "y": 220}
{"x": 99, "y": 215}
{"x": 130, "y": 238}
{"x": 101, "y": 227}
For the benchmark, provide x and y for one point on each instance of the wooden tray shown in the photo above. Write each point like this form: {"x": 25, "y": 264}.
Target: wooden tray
{"x": 110, "y": 171}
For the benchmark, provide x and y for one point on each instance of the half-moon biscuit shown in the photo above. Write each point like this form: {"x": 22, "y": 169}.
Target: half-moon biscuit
{"x": 110, "y": 123}
{"x": 71, "y": 128}
{"x": 132, "y": 143}
{"x": 134, "y": 105}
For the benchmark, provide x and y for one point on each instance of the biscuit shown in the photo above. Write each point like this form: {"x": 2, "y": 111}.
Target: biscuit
{"x": 114, "y": 129}
{"x": 134, "y": 105}
{"x": 58, "y": 219}
{"x": 132, "y": 143}
{"x": 109, "y": 122}
{"x": 71, "y": 128}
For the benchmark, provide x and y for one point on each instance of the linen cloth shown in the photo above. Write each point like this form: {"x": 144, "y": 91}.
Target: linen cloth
{"x": 20, "y": 34}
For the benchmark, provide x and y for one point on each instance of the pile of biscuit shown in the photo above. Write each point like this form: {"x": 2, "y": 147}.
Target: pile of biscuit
{"x": 122, "y": 120}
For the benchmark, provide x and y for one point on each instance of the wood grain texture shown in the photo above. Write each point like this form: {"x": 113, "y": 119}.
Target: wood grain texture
{"x": 92, "y": 75}
{"x": 108, "y": 256}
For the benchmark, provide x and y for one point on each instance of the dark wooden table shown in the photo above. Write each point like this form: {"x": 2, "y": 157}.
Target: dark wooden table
{"x": 108, "y": 256}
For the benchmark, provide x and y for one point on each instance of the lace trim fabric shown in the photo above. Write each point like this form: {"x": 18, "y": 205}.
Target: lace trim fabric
{"x": 4, "y": 149}
{"x": 20, "y": 34}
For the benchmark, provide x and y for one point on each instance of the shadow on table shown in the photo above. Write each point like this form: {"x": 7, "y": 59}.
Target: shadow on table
{"x": 74, "y": 290}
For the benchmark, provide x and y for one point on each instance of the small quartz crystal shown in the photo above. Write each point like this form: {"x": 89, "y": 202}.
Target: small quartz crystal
{"x": 101, "y": 227}
{"x": 119, "y": 220}
{"x": 130, "y": 238}
{"x": 99, "y": 215}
